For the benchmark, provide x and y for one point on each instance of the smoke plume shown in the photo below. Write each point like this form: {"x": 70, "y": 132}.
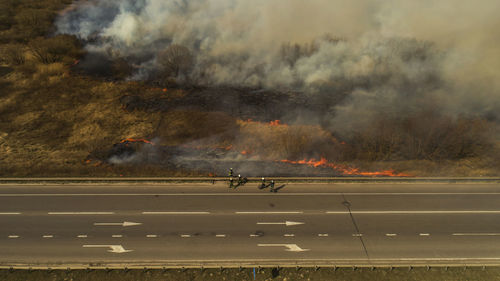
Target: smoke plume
{"x": 363, "y": 60}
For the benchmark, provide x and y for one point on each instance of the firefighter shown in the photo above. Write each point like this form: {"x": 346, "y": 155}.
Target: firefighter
{"x": 231, "y": 183}
{"x": 272, "y": 186}
{"x": 263, "y": 184}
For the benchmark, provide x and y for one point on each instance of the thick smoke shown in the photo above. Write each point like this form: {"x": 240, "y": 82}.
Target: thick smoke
{"x": 362, "y": 59}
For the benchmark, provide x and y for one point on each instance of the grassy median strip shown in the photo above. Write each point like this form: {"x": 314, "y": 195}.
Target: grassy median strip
{"x": 279, "y": 274}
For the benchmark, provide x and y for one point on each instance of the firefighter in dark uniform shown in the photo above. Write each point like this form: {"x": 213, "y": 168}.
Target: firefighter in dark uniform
{"x": 263, "y": 184}
{"x": 272, "y": 186}
{"x": 231, "y": 182}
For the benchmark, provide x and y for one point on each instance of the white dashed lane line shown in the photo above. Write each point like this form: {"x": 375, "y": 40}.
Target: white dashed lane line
{"x": 220, "y": 235}
{"x": 263, "y": 213}
{"x": 357, "y": 235}
{"x": 289, "y": 235}
{"x": 323, "y": 235}
{"x": 117, "y": 236}
{"x": 390, "y": 234}
{"x": 476, "y": 234}
{"x": 13, "y": 236}
{"x": 151, "y": 236}
{"x": 175, "y": 213}
{"x": 185, "y": 235}
{"x": 9, "y": 213}
{"x": 424, "y": 234}
{"x": 48, "y": 236}
{"x": 81, "y": 213}
{"x": 254, "y": 235}
{"x": 82, "y": 236}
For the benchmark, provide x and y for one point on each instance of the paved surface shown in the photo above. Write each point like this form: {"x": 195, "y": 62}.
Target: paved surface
{"x": 193, "y": 224}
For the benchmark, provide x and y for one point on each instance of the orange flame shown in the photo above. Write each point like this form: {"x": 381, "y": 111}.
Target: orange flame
{"x": 345, "y": 170}
{"x": 137, "y": 140}
{"x": 276, "y": 123}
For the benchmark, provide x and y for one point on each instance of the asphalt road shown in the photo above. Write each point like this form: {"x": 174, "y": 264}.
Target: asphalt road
{"x": 195, "y": 224}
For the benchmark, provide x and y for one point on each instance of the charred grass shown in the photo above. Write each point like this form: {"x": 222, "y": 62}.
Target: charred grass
{"x": 52, "y": 116}
{"x": 268, "y": 274}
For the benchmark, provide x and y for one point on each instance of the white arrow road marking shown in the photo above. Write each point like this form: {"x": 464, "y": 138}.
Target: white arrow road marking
{"x": 114, "y": 248}
{"x": 290, "y": 247}
{"x": 125, "y": 223}
{"x": 287, "y": 223}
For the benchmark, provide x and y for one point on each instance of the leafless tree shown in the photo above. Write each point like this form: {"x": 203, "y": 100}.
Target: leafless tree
{"x": 176, "y": 61}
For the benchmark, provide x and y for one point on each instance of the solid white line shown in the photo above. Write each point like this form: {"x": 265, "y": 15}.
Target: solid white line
{"x": 81, "y": 213}
{"x": 220, "y": 235}
{"x": 263, "y": 212}
{"x": 48, "y": 236}
{"x": 81, "y": 236}
{"x": 11, "y": 213}
{"x": 424, "y": 234}
{"x": 390, "y": 234}
{"x": 13, "y": 236}
{"x": 151, "y": 236}
{"x": 289, "y": 235}
{"x": 476, "y": 234}
{"x": 185, "y": 235}
{"x": 175, "y": 213}
{"x": 415, "y": 212}
{"x": 323, "y": 235}
{"x": 117, "y": 236}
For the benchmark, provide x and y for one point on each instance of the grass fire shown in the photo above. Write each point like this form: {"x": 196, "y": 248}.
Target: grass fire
{"x": 194, "y": 88}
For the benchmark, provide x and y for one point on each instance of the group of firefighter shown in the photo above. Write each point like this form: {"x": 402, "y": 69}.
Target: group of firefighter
{"x": 243, "y": 180}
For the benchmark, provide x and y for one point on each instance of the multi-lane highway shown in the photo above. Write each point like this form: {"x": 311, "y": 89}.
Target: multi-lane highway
{"x": 209, "y": 224}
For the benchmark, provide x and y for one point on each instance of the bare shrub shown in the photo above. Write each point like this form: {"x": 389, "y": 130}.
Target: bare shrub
{"x": 290, "y": 53}
{"x": 6, "y": 15}
{"x": 33, "y": 22}
{"x": 13, "y": 54}
{"x": 55, "y": 49}
{"x": 426, "y": 136}
{"x": 176, "y": 61}
{"x": 285, "y": 141}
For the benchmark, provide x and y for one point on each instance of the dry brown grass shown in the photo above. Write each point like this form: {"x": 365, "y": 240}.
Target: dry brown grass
{"x": 51, "y": 118}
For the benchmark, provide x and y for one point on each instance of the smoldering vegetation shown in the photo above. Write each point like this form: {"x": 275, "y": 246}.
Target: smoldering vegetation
{"x": 367, "y": 73}
{"x": 365, "y": 82}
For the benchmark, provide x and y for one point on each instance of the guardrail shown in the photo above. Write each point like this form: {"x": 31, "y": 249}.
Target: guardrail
{"x": 251, "y": 179}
